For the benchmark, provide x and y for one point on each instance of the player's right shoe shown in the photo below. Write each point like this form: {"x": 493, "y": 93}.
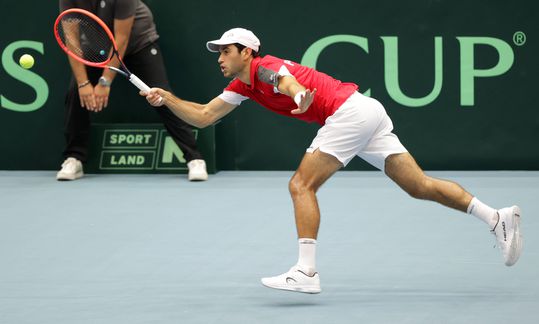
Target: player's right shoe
{"x": 71, "y": 170}
{"x": 508, "y": 236}
{"x": 295, "y": 280}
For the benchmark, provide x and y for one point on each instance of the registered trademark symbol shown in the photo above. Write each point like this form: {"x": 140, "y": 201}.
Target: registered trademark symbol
{"x": 519, "y": 38}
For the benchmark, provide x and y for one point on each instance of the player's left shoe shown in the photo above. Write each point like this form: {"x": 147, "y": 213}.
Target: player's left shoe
{"x": 295, "y": 280}
{"x": 508, "y": 236}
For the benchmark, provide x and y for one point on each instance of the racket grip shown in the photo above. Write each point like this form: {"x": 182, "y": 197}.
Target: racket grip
{"x": 139, "y": 83}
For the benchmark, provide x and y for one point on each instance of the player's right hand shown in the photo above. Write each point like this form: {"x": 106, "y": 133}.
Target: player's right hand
{"x": 155, "y": 96}
{"x": 87, "y": 97}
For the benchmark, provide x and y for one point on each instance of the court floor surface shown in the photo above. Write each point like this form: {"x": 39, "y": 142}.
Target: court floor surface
{"x": 159, "y": 249}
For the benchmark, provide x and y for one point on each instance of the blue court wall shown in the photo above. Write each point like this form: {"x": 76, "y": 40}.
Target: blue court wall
{"x": 458, "y": 78}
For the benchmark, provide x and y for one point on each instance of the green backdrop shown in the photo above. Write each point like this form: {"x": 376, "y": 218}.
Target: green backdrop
{"x": 458, "y": 78}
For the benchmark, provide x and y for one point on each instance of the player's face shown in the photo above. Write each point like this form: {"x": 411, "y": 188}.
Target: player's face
{"x": 231, "y": 61}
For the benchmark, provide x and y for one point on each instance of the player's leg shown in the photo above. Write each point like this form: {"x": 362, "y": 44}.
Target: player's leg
{"x": 148, "y": 64}
{"x": 504, "y": 223}
{"x": 314, "y": 170}
{"x": 403, "y": 169}
{"x": 385, "y": 152}
{"x": 336, "y": 143}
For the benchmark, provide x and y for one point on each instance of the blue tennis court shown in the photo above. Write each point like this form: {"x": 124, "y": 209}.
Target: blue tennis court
{"x": 159, "y": 249}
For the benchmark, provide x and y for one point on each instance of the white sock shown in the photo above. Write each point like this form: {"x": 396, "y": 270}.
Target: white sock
{"x": 485, "y": 213}
{"x": 307, "y": 254}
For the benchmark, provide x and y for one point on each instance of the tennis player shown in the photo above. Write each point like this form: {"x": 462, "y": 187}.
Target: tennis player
{"x": 352, "y": 124}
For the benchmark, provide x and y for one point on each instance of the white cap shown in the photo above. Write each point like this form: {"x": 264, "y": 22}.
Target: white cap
{"x": 235, "y": 35}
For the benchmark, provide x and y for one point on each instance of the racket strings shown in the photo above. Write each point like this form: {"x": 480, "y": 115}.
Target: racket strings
{"x": 85, "y": 38}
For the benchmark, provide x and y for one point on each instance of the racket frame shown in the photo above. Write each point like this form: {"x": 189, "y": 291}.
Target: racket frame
{"x": 122, "y": 70}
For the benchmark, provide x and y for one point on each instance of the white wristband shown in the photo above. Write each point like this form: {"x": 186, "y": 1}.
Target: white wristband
{"x": 297, "y": 97}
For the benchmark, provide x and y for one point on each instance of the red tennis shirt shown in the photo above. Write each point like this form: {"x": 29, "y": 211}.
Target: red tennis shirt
{"x": 265, "y": 72}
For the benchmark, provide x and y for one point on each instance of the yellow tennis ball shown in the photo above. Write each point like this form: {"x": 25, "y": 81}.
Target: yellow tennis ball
{"x": 26, "y": 61}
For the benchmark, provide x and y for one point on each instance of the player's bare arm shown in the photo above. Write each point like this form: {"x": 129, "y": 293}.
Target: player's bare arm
{"x": 302, "y": 96}
{"x": 198, "y": 115}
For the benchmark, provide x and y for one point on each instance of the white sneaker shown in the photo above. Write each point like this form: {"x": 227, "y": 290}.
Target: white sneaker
{"x": 197, "y": 170}
{"x": 71, "y": 170}
{"x": 295, "y": 280}
{"x": 507, "y": 232}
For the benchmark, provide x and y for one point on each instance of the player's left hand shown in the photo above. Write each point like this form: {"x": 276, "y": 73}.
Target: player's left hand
{"x": 101, "y": 94}
{"x": 305, "y": 102}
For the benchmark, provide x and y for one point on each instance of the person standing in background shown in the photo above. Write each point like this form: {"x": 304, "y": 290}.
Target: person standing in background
{"x": 135, "y": 33}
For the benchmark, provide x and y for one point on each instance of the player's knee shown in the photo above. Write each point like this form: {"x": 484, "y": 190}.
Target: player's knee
{"x": 298, "y": 186}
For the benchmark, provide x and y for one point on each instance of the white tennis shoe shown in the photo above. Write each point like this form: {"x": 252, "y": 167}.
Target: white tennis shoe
{"x": 71, "y": 170}
{"x": 197, "y": 170}
{"x": 507, "y": 232}
{"x": 295, "y": 280}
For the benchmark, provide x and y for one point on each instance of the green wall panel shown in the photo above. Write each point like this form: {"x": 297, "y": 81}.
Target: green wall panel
{"x": 458, "y": 78}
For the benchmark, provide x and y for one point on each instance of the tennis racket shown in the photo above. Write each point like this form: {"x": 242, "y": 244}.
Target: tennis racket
{"x": 86, "y": 38}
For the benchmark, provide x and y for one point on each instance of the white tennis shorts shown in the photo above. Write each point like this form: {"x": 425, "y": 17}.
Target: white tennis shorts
{"x": 361, "y": 127}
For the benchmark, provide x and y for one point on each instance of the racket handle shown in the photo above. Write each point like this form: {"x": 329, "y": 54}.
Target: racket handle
{"x": 139, "y": 83}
